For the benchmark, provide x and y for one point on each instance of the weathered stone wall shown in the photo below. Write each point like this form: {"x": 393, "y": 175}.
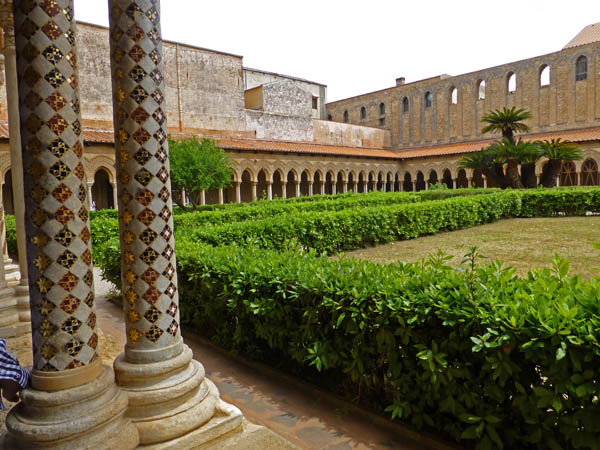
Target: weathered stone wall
{"x": 204, "y": 87}
{"x": 254, "y": 78}
{"x": 564, "y": 104}
{"x": 279, "y": 127}
{"x": 344, "y": 134}
{"x": 286, "y": 98}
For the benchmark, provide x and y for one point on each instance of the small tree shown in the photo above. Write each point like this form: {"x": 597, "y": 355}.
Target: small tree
{"x": 557, "y": 151}
{"x": 197, "y": 166}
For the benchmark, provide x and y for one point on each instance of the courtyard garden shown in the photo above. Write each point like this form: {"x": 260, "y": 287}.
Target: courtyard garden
{"x": 349, "y": 292}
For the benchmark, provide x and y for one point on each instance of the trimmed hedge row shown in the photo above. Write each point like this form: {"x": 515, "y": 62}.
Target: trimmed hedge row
{"x": 477, "y": 354}
{"x": 331, "y": 231}
{"x": 104, "y": 224}
{"x": 350, "y": 229}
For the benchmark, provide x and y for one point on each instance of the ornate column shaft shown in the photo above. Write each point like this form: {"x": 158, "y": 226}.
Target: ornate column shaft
{"x": 254, "y": 183}
{"x": 90, "y": 185}
{"x": 270, "y": 190}
{"x": 284, "y": 189}
{"x": 16, "y": 163}
{"x": 344, "y": 186}
{"x": 322, "y": 188}
{"x": 203, "y": 197}
{"x": 221, "y": 196}
{"x": 115, "y": 196}
{"x": 365, "y": 188}
{"x": 73, "y": 402}
{"x": 172, "y": 404}
{"x": 238, "y": 192}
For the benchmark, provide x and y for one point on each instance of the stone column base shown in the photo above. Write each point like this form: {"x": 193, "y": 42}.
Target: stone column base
{"x": 22, "y": 294}
{"x": 10, "y": 325}
{"x": 12, "y": 272}
{"x": 167, "y": 399}
{"x": 90, "y": 416}
{"x": 174, "y": 406}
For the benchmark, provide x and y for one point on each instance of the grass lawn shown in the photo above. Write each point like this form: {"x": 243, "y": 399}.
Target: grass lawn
{"x": 520, "y": 243}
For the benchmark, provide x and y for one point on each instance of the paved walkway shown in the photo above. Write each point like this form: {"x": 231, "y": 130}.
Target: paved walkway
{"x": 289, "y": 407}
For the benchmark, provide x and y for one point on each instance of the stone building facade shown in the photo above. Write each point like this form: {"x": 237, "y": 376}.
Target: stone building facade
{"x": 402, "y": 138}
{"x": 559, "y": 89}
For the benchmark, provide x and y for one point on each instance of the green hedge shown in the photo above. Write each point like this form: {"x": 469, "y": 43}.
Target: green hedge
{"x": 477, "y": 354}
{"x": 331, "y": 231}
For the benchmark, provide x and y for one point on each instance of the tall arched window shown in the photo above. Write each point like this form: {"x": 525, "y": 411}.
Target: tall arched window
{"x": 346, "y": 116}
{"x": 453, "y": 95}
{"x": 545, "y": 75}
{"x": 511, "y": 82}
{"x": 428, "y": 99}
{"x": 382, "y": 109}
{"x": 581, "y": 68}
{"x": 363, "y": 113}
{"x": 405, "y": 104}
{"x": 481, "y": 89}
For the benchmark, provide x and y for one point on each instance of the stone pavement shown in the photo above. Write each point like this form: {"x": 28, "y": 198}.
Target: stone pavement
{"x": 300, "y": 413}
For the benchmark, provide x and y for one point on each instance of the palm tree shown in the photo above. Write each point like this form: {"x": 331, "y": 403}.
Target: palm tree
{"x": 557, "y": 151}
{"x": 508, "y": 121}
{"x": 487, "y": 161}
{"x": 528, "y": 161}
{"x": 513, "y": 153}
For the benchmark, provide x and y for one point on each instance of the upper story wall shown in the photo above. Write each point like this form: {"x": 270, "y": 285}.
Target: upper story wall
{"x": 254, "y": 78}
{"x": 204, "y": 88}
{"x": 345, "y": 134}
{"x": 566, "y": 103}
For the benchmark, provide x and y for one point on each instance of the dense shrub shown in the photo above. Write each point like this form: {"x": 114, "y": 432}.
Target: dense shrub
{"x": 11, "y": 234}
{"x": 476, "y": 353}
{"x": 350, "y": 228}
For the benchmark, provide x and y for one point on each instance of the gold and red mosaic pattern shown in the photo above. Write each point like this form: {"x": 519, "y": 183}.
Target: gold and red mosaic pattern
{"x": 145, "y": 207}
{"x": 61, "y": 284}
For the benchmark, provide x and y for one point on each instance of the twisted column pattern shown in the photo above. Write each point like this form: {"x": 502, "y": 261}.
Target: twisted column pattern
{"x": 145, "y": 208}
{"x": 59, "y": 254}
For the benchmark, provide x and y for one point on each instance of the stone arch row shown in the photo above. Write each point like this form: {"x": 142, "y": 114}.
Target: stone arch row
{"x": 101, "y": 184}
{"x": 255, "y": 182}
{"x": 252, "y": 183}
{"x": 574, "y": 173}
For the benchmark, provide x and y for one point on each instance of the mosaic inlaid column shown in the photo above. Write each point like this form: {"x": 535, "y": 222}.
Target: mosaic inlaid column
{"x": 73, "y": 402}
{"x": 16, "y": 163}
{"x": 171, "y": 402}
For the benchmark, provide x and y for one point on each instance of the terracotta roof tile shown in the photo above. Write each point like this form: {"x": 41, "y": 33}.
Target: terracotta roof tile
{"x": 96, "y": 136}
{"x": 303, "y": 147}
{"x": 589, "y": 34}
{"x": 99, "y": 136}
{"x": 588, "y": 134}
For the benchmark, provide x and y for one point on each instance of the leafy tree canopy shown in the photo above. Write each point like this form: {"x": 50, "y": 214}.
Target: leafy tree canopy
{"x": 198, "y": 166}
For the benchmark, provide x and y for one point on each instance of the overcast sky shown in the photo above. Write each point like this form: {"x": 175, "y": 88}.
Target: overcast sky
{"x": 356, "y": 47}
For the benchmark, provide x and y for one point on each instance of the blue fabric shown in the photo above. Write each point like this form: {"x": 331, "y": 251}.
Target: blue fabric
{"x": 10, "y": 369}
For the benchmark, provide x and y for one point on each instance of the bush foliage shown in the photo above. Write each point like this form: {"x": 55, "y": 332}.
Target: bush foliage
{"x": 477, "y": 353}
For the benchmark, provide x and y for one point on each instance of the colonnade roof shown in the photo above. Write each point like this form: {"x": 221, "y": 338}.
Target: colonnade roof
{"x": 585, "y": 135}
{"x": 105, "y": 136}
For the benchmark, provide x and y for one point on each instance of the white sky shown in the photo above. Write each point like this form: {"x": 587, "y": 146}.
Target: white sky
{"x": 356, "y": 47}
